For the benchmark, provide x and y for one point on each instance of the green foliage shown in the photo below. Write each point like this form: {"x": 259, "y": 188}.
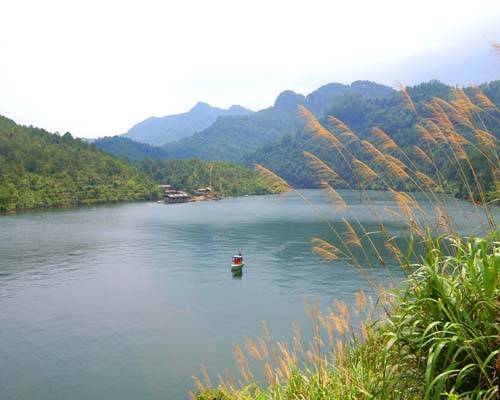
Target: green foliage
{"x": 231, "y": 138}
{"x": 225, "y": 179}
{"x": 39, "y": 169}
{"x": 285, "y": 155}
{"x": 124, "y": 147}
{"x": 448, "y": 319}
{"x": 159, "y": 130}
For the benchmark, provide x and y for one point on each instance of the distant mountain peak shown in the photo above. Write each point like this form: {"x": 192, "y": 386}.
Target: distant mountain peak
{"x": 160, "y": 130}
{"x": 289, "y": 100}
{"x": 237, "y": 109}
{"x": 202, "y": 106}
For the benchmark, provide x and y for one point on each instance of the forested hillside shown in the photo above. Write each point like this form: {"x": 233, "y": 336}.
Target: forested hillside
{"x": 160, "y": 130}
{"x": 124, "y": 147}
{"x": 285, "y": 156}
{"x": 225, "y": 179}
{"x": 231, "y": 138}
{"x": 39, "y": 169}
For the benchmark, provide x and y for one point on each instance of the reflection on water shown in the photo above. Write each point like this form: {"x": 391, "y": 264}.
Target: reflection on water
{"x": 125, "y": 301}
{"x": 238, "y": 274}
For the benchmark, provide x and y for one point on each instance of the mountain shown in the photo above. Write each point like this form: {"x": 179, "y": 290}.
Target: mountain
{"x": 124, "y": 147}
{"x": 321, "y": 100}
{"x": 160, "y": 130}
{"x": 232, "y": 137}
{"x": 285, "y": 155}
{"x": 40, "y": 169}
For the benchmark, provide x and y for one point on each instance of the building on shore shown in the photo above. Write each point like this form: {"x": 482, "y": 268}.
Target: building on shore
{"x": 205, "y": 191}
{"x": 176, "y": 196}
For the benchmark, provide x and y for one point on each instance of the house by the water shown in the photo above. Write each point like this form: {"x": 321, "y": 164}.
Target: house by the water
{"x": 173, "y": 196}
{"x": 176, "y": 196}
{"x": 205, "y": 191}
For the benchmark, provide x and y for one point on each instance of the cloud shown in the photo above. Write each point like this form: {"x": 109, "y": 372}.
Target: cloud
{"x": 96, "y": 67}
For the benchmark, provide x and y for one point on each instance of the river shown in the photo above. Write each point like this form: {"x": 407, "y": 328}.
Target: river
{"x": 126, "y": 301}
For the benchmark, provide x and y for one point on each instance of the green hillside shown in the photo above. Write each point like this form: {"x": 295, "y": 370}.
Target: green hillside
{"x": 225, "y": 179}
{"x": 236, "y": 133}
{"x": 157, "y": 131}
{"x": 124, "y": 147}
{"x": 285, "y": 155}
{"x": 39, "y": 169}
{"x": 231, "y": 138}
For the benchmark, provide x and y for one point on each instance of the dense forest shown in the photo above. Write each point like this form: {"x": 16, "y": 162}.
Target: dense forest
{"x": 124, "y": 147}
{"x": 276, "y": 137}
{"x": 225, "y": 179}
{"x": 160, "y": 130}
{"x": 286, "y": 155}
{"x": 39, "y": 169}
{"x": 231, "y": 138}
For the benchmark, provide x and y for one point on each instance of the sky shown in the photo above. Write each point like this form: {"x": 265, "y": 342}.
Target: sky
{"x": 95, "y": 68}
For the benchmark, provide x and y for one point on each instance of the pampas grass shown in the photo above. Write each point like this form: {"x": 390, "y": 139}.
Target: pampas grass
{"x": 437, "y": 336}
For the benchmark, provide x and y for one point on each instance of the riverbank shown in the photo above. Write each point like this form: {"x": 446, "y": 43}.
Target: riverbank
{"x": 109, "y": 203}
{"x": 437, "y": 337}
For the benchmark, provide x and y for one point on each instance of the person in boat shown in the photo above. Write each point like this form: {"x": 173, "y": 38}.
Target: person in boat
{"x": 237, "y": 260}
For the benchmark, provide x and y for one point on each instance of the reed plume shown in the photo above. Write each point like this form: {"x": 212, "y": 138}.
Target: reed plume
{"x": 485, "y": 138}
{"x": 483, "y": 100}
{"x": 325, "y": 249}
{"x": 364, "y": 170}
{"x": 314, "y": 126}
{"x": 425, "y": 135}
{"x": 337, "y": 199}
{"x": 407, "y": 101}
{"x": 462, "y": 102}
{"x": 396, "y": 167}
{"x": 275, "y": 182}
{"x": 457, "y": 113}
{"x": 435, "y": 132}
{"x": 323, "y": 170}
{"x": 423, "y": 156}
{"x": 408, "y": 205}
{"x": 375, "y": 153}
{"x": 360, "y": 301}
{"x": 393, "y": 249}
{"x": 439, "y": 116}
{"x": 243, "y": 365}
{"x": 345, "y": 132}
{"x": 383, "y": 140}
{"x": 253, "y": 348}
{"x": 443, "y": 221}
{"x": 426, "y": 180}
{"x": 352, "y": 236}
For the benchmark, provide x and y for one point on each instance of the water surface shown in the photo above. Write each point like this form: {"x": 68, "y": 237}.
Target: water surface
{"x": 126, "y": 301}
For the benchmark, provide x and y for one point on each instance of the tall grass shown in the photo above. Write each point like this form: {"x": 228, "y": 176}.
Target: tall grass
{"x": 438, "y": 334}
{"x": 439, "y": 338}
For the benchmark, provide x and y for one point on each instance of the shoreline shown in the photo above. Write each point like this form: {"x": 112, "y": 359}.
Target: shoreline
{"x": 108, "y": 203}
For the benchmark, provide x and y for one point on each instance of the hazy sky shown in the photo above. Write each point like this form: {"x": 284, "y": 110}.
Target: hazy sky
{"x": 95, "y": 68}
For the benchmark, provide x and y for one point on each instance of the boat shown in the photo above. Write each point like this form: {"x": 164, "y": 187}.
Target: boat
{"x": 237, "y": 264}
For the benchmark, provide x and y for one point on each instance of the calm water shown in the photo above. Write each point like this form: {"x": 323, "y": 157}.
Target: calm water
{"x": 126, "y": 301}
